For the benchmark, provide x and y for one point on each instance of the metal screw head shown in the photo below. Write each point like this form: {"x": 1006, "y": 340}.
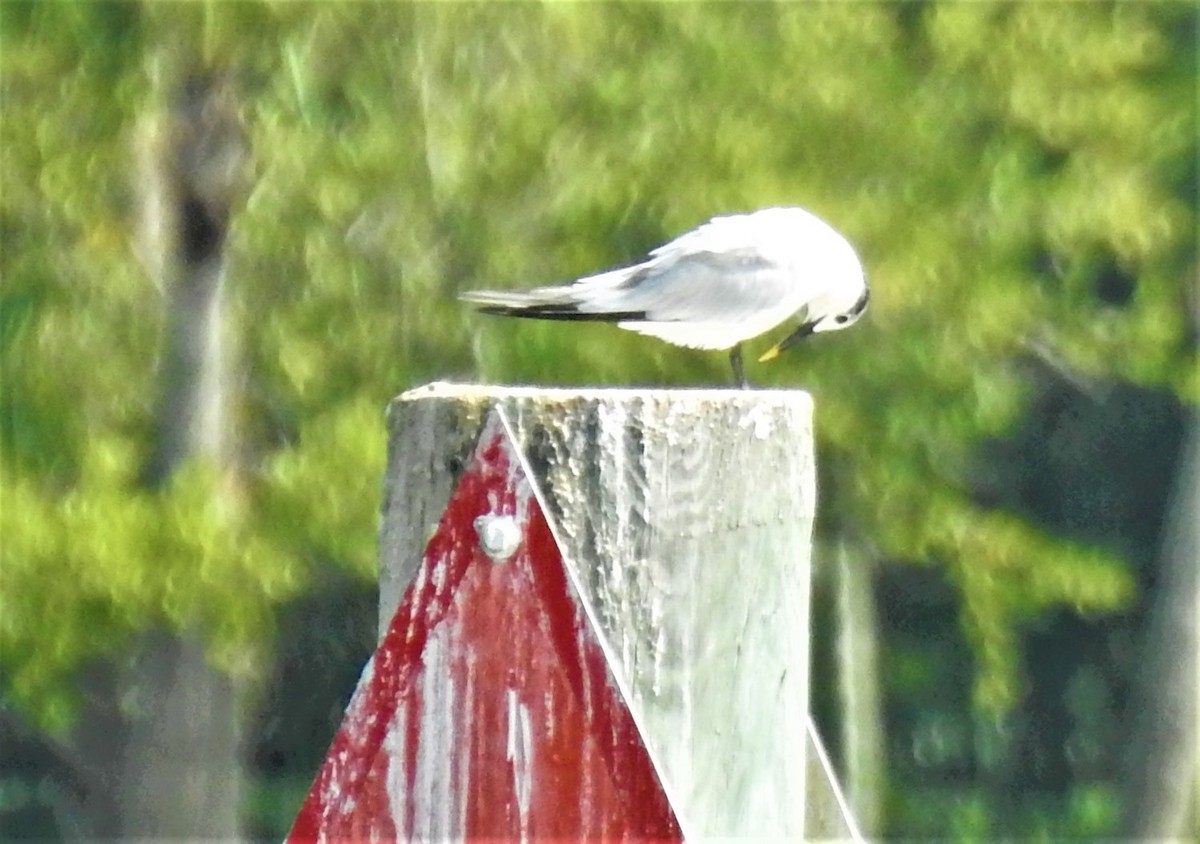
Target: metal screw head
{"x": 499, "y": 536}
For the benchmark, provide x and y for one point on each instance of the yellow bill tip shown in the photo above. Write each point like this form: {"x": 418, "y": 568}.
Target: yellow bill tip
{"x": 769, "y": 354}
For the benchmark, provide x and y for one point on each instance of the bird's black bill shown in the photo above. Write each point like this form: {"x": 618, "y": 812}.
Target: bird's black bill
{"x": 787, "y": 342}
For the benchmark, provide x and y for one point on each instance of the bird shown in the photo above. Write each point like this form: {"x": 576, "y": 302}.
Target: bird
{"x": 732, "y": 278}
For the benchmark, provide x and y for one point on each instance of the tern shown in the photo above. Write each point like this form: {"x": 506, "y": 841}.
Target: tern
{"x": 731, "y": 279}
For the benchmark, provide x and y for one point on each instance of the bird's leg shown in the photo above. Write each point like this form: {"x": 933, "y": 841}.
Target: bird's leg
{"x": 739, "y": 374}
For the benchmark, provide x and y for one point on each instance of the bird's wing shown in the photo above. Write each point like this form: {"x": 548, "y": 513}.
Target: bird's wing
{"x": 731, "y": 286}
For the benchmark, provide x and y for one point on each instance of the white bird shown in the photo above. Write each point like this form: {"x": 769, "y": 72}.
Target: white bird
{"x": 731, "y": 279}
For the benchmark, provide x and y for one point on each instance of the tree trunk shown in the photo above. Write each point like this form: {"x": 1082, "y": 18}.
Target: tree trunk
{"x": 172, "y": 743}
{"x": 1161, "y": 757}
{"x": 863, "y": 741}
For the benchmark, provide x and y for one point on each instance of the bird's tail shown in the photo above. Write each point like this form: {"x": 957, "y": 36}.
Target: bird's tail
{"x": 582, "y": 300}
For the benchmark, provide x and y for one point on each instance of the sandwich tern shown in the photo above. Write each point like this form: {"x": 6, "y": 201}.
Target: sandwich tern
{"x": 716, "y": 286}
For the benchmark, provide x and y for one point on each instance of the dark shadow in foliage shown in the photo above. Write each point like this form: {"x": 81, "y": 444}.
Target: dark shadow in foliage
{"x": 1094, "y": 465}
{"x": 325, "y": 639}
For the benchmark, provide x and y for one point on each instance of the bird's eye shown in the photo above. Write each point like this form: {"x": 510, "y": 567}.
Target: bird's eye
{"x": 841, "y": 319}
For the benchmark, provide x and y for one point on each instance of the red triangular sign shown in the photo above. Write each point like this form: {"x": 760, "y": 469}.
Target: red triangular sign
{"x": 489, "y": 710}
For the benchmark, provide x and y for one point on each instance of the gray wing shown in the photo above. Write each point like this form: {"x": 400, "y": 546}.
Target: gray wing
{"x": 694, "y": 287}
{"x": 727, "y": 286}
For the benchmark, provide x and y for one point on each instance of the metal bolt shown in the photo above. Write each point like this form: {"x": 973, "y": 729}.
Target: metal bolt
{"x": 499, "y": 536}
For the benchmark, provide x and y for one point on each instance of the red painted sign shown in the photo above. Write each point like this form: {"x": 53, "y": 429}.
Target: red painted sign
{"x": 489, "y": 710}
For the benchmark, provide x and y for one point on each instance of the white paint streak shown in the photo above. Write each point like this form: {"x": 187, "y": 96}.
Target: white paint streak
{"x": 398, "y": 786}
{"x": 462, "y": 758}
{"x": 414, "y": 619}
{"x": 432, "y": 792}
{"x": 520, "y": 754}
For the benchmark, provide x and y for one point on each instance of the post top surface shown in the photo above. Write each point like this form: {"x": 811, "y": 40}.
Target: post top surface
{"x": 493, "y": 392}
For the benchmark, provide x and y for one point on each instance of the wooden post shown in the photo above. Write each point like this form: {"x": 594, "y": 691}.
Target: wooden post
{"x": 685, "y": 519}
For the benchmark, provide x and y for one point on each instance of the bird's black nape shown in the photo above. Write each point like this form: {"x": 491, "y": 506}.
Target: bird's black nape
{"x": 739, "y": 372}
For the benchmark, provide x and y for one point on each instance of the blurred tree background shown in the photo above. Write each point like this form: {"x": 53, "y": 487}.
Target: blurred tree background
{"x": 1005, "y": 477}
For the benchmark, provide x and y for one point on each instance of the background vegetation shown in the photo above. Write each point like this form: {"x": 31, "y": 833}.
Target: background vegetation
{"x": 1000, "y": 437}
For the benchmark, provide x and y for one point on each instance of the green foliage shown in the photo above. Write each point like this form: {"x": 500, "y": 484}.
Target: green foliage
{"x": 995, "y": 163}
{"x": 928, "y": 814}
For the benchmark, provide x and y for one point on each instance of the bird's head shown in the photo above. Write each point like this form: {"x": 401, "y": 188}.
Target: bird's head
{"x": 833, "y": 319}
{"x": 843, "y": 318}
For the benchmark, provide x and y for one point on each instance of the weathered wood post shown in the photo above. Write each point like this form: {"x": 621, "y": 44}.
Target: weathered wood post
{"x": 616, "y": 644}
